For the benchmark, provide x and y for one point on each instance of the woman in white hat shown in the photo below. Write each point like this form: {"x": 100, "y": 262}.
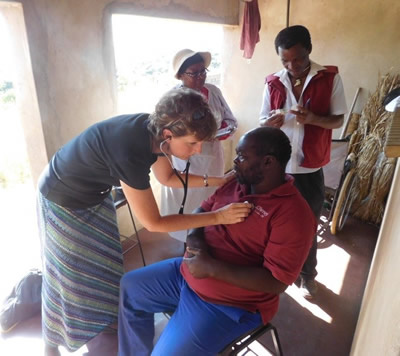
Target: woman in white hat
{"x": 190, "y": 68}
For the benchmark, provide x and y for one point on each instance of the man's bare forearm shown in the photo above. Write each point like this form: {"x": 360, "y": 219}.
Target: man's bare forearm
{"x": 203, "y": 265}
{"x": 252, "y": 278}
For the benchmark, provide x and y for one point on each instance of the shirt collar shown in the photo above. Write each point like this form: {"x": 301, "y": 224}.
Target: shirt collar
{"x": 285, "y": 189}
{"x": 283, "y": 74}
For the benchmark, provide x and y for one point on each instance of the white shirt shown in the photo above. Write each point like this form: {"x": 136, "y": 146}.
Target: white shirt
{"x": 210, "y": 161}
{"x": 291, "y": 127}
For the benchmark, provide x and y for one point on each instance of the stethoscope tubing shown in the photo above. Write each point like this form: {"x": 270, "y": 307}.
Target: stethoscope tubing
{"x": 184, "y": 182}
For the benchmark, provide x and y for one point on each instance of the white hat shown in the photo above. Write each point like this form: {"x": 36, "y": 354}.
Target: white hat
{"x": 185, "y": 54}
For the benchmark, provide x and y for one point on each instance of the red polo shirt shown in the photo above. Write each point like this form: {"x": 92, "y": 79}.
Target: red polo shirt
{"x": 276, "y": 235}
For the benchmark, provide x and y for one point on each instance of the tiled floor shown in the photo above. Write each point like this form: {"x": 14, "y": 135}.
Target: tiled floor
{"x": 323, "y": 326}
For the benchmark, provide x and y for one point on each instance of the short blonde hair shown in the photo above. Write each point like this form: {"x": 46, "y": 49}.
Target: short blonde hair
{"x": 184, "y": 112}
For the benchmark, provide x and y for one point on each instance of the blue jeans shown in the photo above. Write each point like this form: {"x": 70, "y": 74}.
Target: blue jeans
{"x": 312, "y": 188}
{"x": 195, "y": 328}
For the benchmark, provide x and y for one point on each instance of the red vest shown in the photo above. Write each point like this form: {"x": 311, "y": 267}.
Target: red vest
{"x": 317, "y": 140}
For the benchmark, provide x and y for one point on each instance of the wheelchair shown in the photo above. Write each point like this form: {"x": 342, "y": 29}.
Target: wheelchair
{"x": 340, "y": 177}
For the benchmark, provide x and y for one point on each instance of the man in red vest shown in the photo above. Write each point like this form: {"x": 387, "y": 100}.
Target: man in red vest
{"x": 306, "y": 101}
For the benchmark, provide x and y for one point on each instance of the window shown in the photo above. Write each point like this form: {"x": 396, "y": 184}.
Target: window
{"x": 144, "y": 48}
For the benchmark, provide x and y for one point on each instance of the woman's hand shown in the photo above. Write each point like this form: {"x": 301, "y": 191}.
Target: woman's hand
{"x": 220, "y": 181}
{"x": 233, "y": 213}
{"x": 227, "y": 177}
{"x": 228, "y": 127}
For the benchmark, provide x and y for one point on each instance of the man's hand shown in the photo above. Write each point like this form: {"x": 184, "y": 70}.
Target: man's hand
{"x": 233, "y": 213}
{"x": 276, "y": 119}
{"x": 196, "y": 242}
{"x": 199, "y": 262}
{"x": 303, "y": 115}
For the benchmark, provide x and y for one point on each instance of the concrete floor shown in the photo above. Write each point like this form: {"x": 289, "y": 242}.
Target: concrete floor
{"x": 323, "y": 326}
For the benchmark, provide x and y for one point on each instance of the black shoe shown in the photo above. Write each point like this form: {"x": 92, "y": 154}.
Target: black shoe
{"x": 308, "y": 288}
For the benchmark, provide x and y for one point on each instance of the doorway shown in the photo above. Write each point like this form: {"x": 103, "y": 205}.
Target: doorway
{"x": 20, "y": 249}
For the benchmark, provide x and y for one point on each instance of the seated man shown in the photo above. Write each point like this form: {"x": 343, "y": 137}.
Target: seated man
{"x": 231, "y": 276}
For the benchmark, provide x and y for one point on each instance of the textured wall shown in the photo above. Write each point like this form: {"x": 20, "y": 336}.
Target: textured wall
{"x": 72, "y": 55}
{"x": 360, "y": 37}
{"x": 72, "y": 62}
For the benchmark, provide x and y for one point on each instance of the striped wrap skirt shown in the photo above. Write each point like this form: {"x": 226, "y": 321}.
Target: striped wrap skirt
{"x": 82, "y": 268}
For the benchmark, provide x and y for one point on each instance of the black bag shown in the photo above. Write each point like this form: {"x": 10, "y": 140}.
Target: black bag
{"x": 23, "y": 302}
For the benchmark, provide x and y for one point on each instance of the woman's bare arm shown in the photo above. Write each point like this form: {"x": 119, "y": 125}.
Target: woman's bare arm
{"x": 146, "y": 210}
{"x": 166, "y": 176}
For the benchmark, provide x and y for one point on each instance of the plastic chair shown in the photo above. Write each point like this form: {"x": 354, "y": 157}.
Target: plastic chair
{"x": 119, "y": 202}
{"x": 242, "y": 342}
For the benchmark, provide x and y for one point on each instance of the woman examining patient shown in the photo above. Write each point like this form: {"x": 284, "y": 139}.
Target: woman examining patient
{"x": 190, "y": 68}
{"x": 81, "y": 250}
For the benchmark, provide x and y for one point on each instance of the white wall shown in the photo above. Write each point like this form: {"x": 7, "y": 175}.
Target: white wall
{"x": 378, "y": 329}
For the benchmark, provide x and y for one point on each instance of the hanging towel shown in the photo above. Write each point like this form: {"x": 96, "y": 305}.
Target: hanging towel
{"x": 250, "y": 29}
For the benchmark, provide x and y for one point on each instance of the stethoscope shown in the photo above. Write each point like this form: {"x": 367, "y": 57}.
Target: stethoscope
{"x": 186, "y": 171}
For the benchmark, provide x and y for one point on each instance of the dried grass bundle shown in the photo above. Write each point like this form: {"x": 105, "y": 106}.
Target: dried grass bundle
{"x": 372, "y": 207}
{"x": 382, "y": 126}
{"x": 353, "y": 123}
{"x": 362, "y": 209}
{"x": 385, "y": 179}
{"x": 374, "y": 170}
{"x": 366, "y": 163}
{"x": 355, "y": 142}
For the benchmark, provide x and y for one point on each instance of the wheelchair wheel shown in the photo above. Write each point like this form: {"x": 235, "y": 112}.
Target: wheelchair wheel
{"x": 343, "y": 204}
